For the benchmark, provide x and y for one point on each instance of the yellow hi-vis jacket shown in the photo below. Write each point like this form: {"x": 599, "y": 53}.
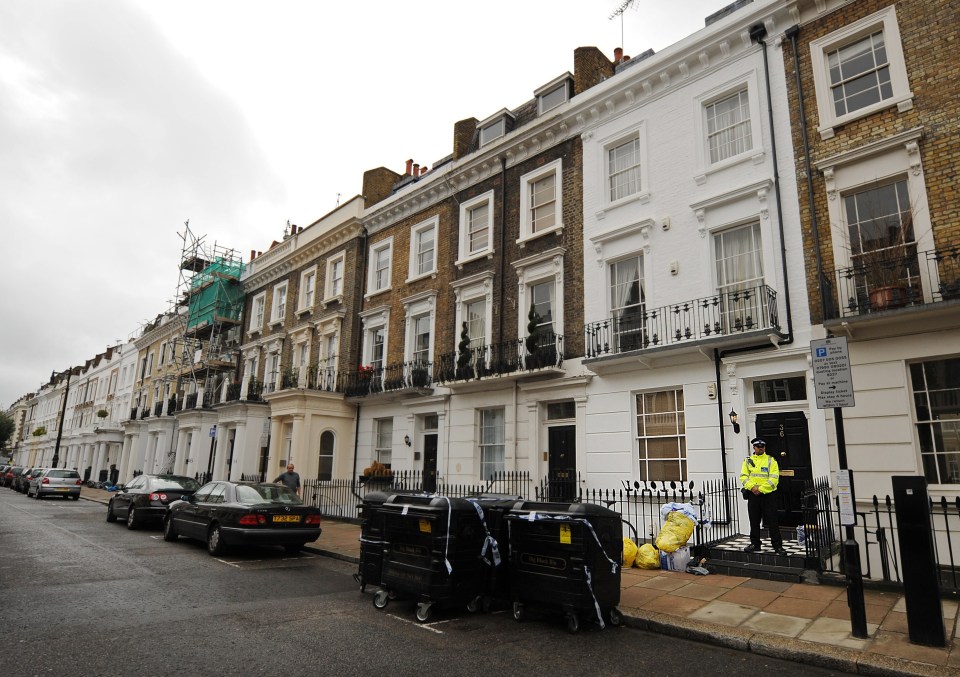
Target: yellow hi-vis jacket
{"x": 760, "y": 471}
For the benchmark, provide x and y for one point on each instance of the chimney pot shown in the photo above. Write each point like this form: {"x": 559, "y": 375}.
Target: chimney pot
{"x": 617, "y": 54}
{"x": 253, "y": 254}
{"x": 409, "y": 167}
{"x": 416, "y": 169}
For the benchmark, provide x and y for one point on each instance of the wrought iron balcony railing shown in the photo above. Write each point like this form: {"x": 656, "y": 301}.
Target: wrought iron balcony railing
{"x": 880, "y": 282}
{"x": 726, "y": 314}
{"x": 190, "y": 401}
{"x": 233, "y": 392}
{"x": 499, "y": 359}
{"x": 254, "y": 390}
{"x": 393, "y": 377}
{"x": 158, "y": 408}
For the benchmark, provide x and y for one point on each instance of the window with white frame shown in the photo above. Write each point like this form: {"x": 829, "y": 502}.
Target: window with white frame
{"x": 376, "y": 347}
{"x": 383, "y": 440}
{"x": 739, "y": 265}
{"x": 328, "y": 368}
{"x": 421, "y": 329}
{"x": 278, "y": 310}
{"x": 553, "y": 94}
{"x": 476, "y": 226}
{"x": 628, "y": 303}
{"x": 494, "y": 127}
{"x": 492, "y": 438}
{"x": 623, "y": 169}
{"x": 163, "y": 353}
{"x": 542, "y": 298}
{"x": 273, "y": 371}
{"x": 883, "y": 247}
{"x": 423, "y": 249}
{"x": 860, "y": 69}
{"x": 325, "y": 457}
{"x": 334, "y": 286}
{"x": 661, "y": 436}
{"x": 475, "y": 316}
{"x": 936, "y": 397}
{"x": 541, "y": 204}
{"x": 256, "y": 311}
{"x": 540, "y": 278}
{"x": 308, "y": 289}
{"x": 729, "y": 131}
{"x": 149, "y": 364}
{"x": 381, "y": 258}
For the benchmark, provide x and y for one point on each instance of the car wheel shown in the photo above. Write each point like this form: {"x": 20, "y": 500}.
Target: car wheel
{"x": 110, "y": 516}
{"x": 132, "y": 521}
{"x": 169, "y": 530}
{"x": 36, "y": 495}
{"x": 215, "y": 544}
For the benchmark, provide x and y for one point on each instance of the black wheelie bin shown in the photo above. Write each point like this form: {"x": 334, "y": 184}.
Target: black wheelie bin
{"x": 496, "y": 584}
{"x": 432, "y": 552}
{"x": 371, "y": 539}
{"x": 566, "y": 557}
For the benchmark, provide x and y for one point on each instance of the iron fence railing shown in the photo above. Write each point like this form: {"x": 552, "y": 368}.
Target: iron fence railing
{"x": 898, "y": 278}
{"x": 500, "y": 359}
{"x": 877, "y": 534}
{"x": 724, "y": 314}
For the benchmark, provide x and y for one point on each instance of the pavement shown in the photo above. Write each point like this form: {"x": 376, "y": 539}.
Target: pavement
{"x": 801, "y": 622}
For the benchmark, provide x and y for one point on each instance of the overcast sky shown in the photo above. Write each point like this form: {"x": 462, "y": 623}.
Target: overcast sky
{"x": 120, "y": 120}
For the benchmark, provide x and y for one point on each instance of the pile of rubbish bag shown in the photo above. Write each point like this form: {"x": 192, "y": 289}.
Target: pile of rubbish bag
{"x": 669, "y": 550}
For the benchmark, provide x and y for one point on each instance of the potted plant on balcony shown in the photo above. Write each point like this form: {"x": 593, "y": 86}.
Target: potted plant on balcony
{"x": 532, "y": 342}
{"x": 464, "y": 369}
{"x": 364, "y": 378}
{"x": 887, "y": 272}
{"x": 40, "y": 432}
{"x": 102, "y": 413}
{"x": 419, "y": 376}
{"x": 377, "y": 475}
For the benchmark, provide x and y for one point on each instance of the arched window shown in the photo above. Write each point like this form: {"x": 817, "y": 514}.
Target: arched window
{"x": 325, "y": 459}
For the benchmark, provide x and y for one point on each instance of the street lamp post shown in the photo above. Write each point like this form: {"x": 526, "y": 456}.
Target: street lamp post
{"x": 63, "y": 413}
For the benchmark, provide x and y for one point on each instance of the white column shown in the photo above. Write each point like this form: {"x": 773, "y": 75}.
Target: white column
{"x": 124, "y": 464}
{"x": 181, "y": 444}
{"x": 273, "y": 455}
{"x": 240, "y": 460}
{"x": 299, "y": 442}
{"x": 220, "y": 460}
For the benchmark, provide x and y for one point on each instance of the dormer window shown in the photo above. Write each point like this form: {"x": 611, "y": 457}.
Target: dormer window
{"x": 553, "y": 94}
{"x": 495, "y": 126}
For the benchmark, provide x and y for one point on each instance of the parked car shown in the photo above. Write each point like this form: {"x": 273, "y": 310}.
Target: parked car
{"x": 11, "y": 475}
{"x": 22, "y": 481}
{"x": 243, "y": 513}
{"x": 146, "y": 498}
{"x": 56, "y": 482}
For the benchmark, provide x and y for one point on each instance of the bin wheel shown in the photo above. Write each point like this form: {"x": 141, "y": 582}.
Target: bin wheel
{"x": 519, "y": 613}
{"x": 473, "y": 606}
{"x": 615, "y": 617}
{"x": 423, "y": 612}
{"x": 380, "y": 599}
{"x": 573, "y": 623}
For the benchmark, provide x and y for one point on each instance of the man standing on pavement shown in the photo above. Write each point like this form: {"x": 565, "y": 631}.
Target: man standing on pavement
{"x": 290, "y": 479}
{"x": 760, "y": 475}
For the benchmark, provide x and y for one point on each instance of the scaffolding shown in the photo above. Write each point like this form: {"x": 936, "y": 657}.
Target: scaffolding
{"x": 208, "y": 305}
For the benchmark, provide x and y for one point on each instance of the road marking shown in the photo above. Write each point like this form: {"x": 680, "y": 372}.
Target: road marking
{"x": 228, "y": 563}
{"x": 425, "y": 626}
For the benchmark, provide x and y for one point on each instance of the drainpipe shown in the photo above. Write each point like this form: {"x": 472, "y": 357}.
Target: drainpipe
{"x": 503, "y": 235}
{"x": 757, "y": 34}
{"x": 356, "y": 433}
{"x": 792, "y": 34}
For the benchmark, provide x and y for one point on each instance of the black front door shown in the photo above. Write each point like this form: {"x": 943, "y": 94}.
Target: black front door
{"x": 789, "y": 443}
{"x": 430, "y": 462}
{"x": 562, "y": 462}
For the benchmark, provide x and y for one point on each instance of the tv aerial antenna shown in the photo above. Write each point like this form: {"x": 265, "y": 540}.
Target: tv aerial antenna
{"x": 619, "y": 12}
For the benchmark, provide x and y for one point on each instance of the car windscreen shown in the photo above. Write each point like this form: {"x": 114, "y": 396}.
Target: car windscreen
{"x": 70, "y": 474}
{"x": 259, "y": 494}
{"x": 175, "y": 484}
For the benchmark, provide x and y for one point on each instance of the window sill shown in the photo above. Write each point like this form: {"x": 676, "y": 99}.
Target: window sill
{"x": 432, "y": 274}
{"x": 275, "y": 323}
{"x": 376, "y": 292}
{"x": 903, "y": 104}
{"x": 304, "y": 311}
{"x": 558, "y": 229}
{"x": 331, "y": 300}
{"x": 486, "y": 253}
{"x": 642, "y": 198}
{"x": 755, "y": 156}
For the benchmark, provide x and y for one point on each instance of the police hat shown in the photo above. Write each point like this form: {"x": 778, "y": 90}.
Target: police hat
{"x": 757, "y": 442}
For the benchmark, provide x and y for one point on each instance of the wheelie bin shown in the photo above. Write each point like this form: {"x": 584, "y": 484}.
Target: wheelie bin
{"x": 566, "y": 557}
{"x": 432, "y": 552}
{"x": 371, "y": 539}
{"x": 496, "y": 579}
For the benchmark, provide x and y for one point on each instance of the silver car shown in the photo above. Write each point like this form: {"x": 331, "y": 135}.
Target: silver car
{"x": 56, "y": 482}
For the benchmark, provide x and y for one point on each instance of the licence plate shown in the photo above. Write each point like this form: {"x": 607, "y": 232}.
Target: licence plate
{"x": 286, "y": 518}
{"x": 62, "y": 489}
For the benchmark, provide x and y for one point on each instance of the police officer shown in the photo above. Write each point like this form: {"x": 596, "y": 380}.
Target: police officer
{"x": 760, "y": 476}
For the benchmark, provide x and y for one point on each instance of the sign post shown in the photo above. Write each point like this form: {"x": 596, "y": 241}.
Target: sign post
{"x": 834, "y": 390}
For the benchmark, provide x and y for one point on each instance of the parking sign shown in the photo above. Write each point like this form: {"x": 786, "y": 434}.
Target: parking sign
{"x": 831, "y": 373}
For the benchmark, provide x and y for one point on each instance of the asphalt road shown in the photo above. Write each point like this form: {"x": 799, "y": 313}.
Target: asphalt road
{"x": 79, "y": 596}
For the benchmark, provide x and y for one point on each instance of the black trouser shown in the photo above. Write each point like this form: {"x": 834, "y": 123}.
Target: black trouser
{"x": 765, "y": 506}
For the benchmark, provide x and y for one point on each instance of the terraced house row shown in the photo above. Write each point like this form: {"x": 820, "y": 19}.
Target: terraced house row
{"x": 616, "y": 281}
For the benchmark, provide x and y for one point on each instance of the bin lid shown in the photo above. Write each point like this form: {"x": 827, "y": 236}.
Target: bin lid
{"x": 583, "y": 510}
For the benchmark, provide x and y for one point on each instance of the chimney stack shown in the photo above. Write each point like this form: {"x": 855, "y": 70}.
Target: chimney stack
{"x": 416, "y": 169}
{"x": 253, "y": 254}
{"x": 617, "y": 54}
{"x": 408, "y": 172}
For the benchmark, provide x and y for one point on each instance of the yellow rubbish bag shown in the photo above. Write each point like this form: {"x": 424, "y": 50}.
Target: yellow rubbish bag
{"x": 629, "y": 552}
{"x": 675, "y": 532}
{"x": 648, "y": 557}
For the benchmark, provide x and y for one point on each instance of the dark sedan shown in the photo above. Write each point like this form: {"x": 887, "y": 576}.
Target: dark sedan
{"x": 243, "y": 513}
{"x": 146, "y": 498}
